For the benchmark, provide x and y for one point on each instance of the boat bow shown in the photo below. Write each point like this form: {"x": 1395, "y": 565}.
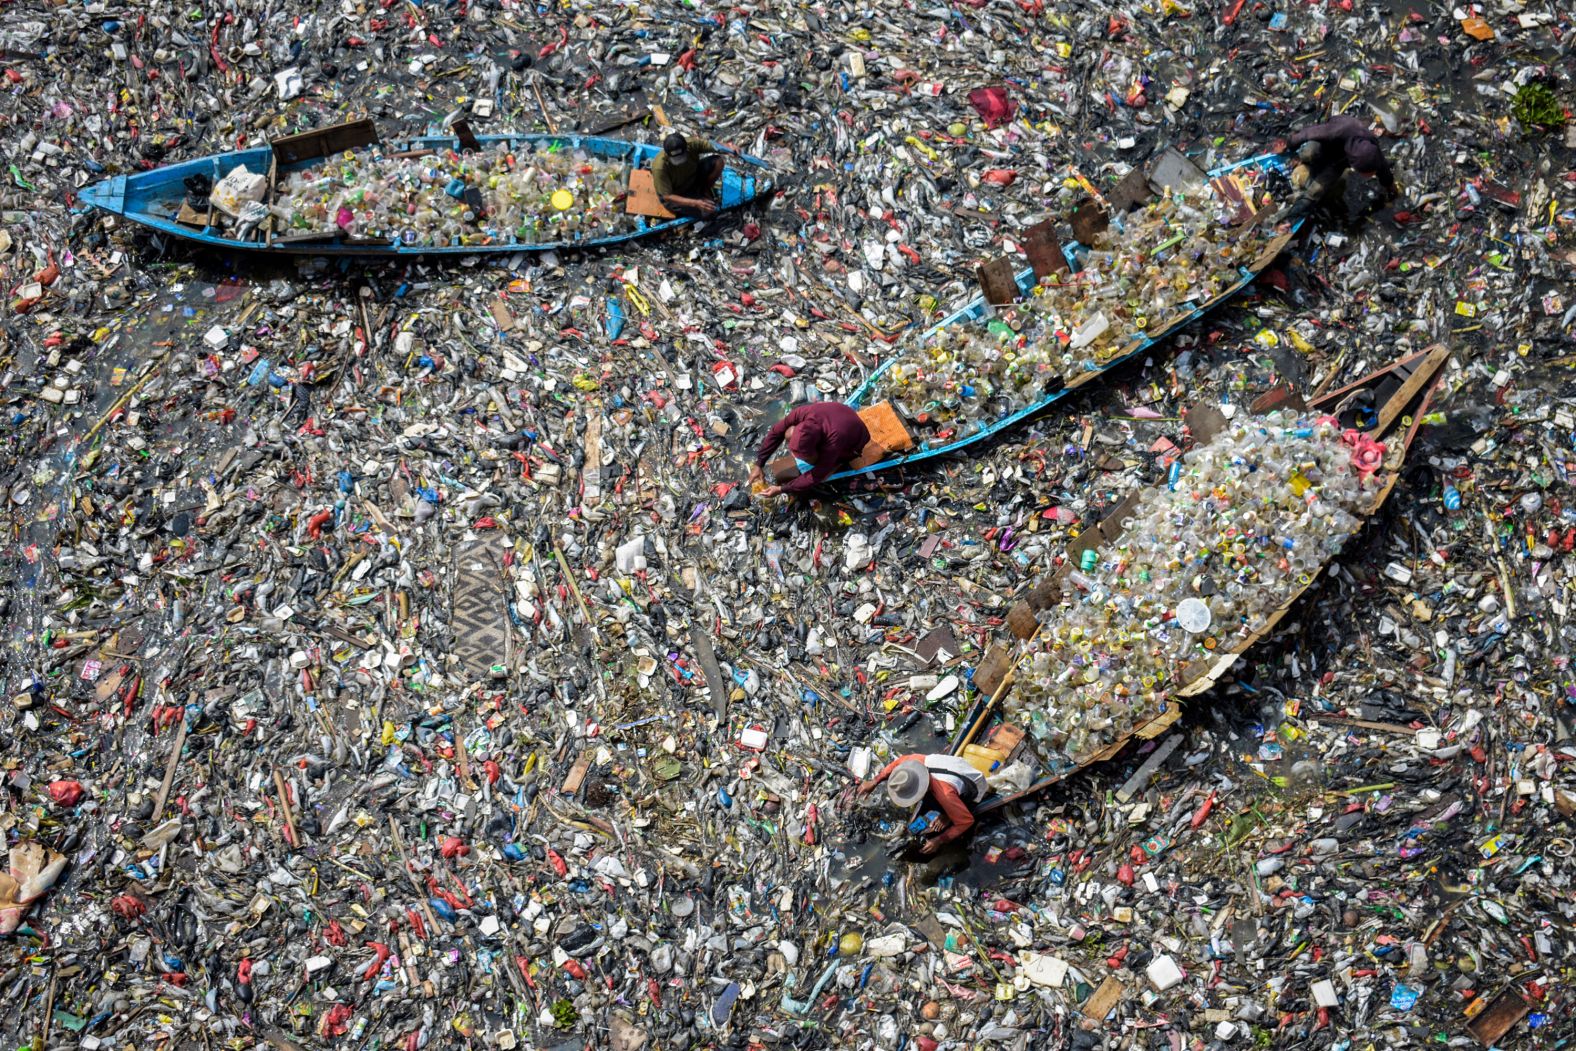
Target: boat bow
{"x": 109, "y": 195}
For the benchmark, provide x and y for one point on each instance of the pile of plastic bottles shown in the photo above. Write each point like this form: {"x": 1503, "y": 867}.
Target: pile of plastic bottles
{"x": 524, "y": 194}
{"x": 1151, "y": 265}
{"x": 1243, "y": 523}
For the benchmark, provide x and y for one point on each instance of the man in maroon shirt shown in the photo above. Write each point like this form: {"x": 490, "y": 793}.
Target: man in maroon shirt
{"x": 821, "y": 436}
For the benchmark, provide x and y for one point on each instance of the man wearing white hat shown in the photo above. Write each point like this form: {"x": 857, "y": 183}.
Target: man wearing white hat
{"x": 953, "y": 783}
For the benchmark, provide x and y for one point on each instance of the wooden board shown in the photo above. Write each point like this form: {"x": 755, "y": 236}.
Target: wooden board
{"x": 886, "y": 426}
{"x": 501, "y": 315}
{"x": 633, "y": 108}
{"x": 938, "y": 645}
{"x": 1229, "y": 190}
{"x": 323, "y": 142}
{"x": 1172, "y": 172}
{"x": 478, "y": 613}
{"x": 1004, "y": 738}
{"x": 642, "y": 199}
{"x": 577, "y": 772}
{"x": 708, "y": 664}
{"x": 993, "y": 669}
{"x": 1131, "y": 192}
{"x": 1022, "y": 622}
{"x": 1089, "y": 222}
{"x": 1101, "y": 1003}
{"x": 462, "y": 131}
{"x": 189, "y": 216}
{"x": 998, "y": 281}
{"x": 1044, "y": 250}
{"x": 1498, "y": 1018}
{"x": 1280, "y": 396}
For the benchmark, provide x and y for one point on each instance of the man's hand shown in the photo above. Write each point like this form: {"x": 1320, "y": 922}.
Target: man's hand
{"x": 930, "y": 847}
{"x": 755, "y": 474}
{"x": 1279, "y": 146}
{"x": 699, "y": 206}
{"x": 866, "y": 787}
{"x": 775, "y": 490}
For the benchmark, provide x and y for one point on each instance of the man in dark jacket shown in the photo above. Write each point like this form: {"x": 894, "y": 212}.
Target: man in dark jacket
{"x": 821, "y": 436}
{"x": 1336, "y": 145}
{"x": 684, "y": 173}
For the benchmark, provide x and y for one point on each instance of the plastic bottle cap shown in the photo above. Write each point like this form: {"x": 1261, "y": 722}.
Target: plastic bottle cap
{"x": 1194, "y": 615}
{"x": 563, "y": 200}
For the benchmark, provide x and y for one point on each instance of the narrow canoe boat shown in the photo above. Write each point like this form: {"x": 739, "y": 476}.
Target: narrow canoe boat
{"x": 1385, "y": 407}
{"x": 1235, "y": 193}
{"x": 158, "y": 199}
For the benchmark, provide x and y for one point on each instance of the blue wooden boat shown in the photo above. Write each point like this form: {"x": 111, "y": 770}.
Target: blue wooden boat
{"x": 979, "y": 311}
{"x": 155, "y": 198}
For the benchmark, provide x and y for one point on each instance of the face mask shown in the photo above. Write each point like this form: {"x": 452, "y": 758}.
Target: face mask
{"x": 804, "y": 468}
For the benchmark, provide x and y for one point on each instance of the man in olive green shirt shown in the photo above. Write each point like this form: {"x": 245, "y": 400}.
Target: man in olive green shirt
{"x": 684, "y": 173}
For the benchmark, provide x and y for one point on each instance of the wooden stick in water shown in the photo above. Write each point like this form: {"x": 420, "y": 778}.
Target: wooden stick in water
{"x": 284, "y": 808}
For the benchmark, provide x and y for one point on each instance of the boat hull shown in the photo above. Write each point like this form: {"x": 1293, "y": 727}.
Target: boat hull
{"x": 978, "y": 309}
{"x": 1406, "y": 386}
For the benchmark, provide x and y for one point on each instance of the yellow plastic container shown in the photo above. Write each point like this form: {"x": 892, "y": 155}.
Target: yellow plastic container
{"x": 981, "y": 758}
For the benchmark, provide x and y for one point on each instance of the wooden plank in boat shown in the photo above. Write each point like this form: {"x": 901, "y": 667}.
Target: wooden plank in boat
{"x": 1042, "y": 594}
{"x": 1089, "y": 222}
{"x": 1044, "y": 249}
{"x": 1280, "y": 396}
{"x": 323, "y": 142}
{"x": 1229, "y": 190}
{"x": 1022, "y": 622}
{"x": 1131, "y": 192}
{"x": 462, "y": 131}
{"x": 1203, "y": 422}
{"x": 1160, "y": 723}
{"x": 886, "y": 426}
{"x": 310, "y": 237}
{"x": 643, "y": 199}
{"x": 189, "y": 216}
{"x": 500, "y": 313}
{"x": 993, "y": 669}
{"x": 1005, "y": 738}
{"x": 1271, "y": 250}
{"x": 1108, "y": 529}
{"x": 1398, "y": 402}
{"x": 998, "y": 281}
{"x": 267, "y": 227}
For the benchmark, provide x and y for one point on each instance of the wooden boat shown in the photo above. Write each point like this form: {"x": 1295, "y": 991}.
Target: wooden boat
{"x": 893, "y": 443}
{"x": 157, "y": 199}
{"x": 1387, "y": 405}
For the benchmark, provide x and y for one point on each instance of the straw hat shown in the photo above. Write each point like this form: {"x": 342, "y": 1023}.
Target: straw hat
{"x": 908, "y": 784}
